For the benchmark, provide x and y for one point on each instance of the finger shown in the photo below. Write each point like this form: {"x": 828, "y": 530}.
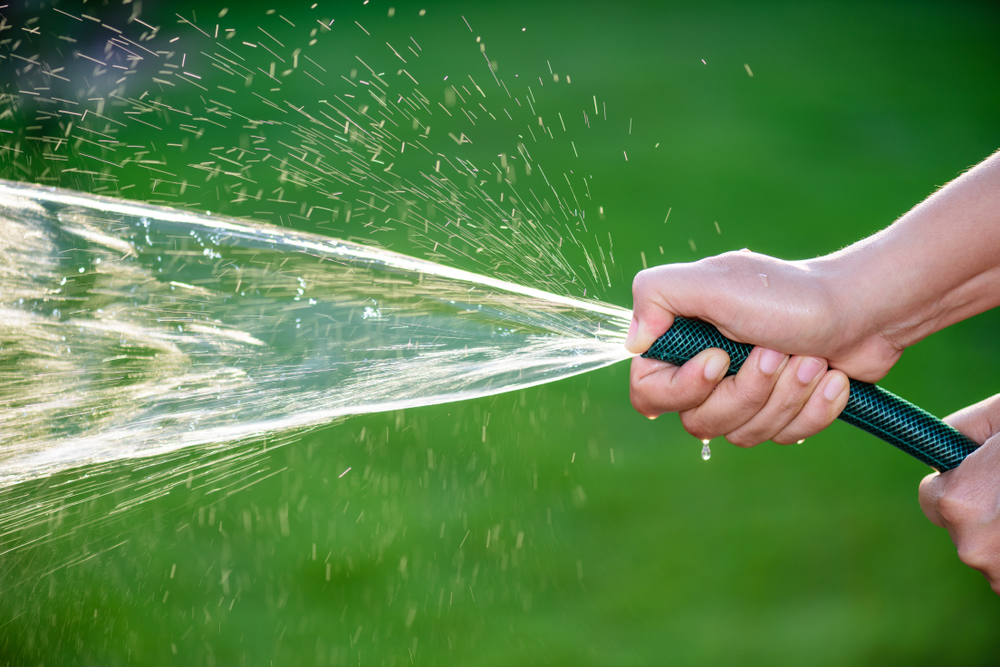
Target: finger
{"x": 964, "y": 501}
{"x": 651, "y": 315}
{"x": 656, "y": 387}
{"x": 791, "y": 392}
{"x": 825, "y": 404}
{"x": 931, "y": 490}
{"x": 737, "y": 398}
{"x": 978, "y": 421}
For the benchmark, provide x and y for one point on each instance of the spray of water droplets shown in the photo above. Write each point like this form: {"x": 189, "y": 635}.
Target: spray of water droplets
{"x": 308, "y": 123}
{"x": 131, "y": 331}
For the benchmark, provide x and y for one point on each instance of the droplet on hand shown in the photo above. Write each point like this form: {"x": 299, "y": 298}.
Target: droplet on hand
{"x": 706, "y": 451}
{"x": 763, "y": 279}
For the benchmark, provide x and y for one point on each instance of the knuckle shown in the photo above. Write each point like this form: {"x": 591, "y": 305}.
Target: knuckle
{"x": 742, "y": 439}
{"x": 691, "y": 396}
{"x": 638, "y": 401}
{"x": 722, "y": 263}
{"x": 639, "y": 282}
{"x": 695, "y": 424}
{"x": 642, "y": 404}
{"x": 791, "y": 403}
{"x": 811, "y": 422}
{"x": 689, "y": 390}
{"x": 753, "y": 393}
{"x": 957, "y": 509}
{"x": 975, "y": 556}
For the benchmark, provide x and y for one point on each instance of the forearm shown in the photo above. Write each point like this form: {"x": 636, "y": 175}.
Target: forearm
{"x": 937, "y": 265}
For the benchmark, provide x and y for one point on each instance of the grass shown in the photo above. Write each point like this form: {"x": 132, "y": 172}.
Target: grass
{"x": 812, "y": 554}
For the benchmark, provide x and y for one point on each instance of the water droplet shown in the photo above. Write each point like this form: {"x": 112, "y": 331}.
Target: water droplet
{"x": 763, "y": 279}
{"x": 800, "y": 442}
{"x": 706, "y": 451}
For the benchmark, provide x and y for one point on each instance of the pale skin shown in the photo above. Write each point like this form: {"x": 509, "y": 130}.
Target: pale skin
{"x": 817, "y": 322}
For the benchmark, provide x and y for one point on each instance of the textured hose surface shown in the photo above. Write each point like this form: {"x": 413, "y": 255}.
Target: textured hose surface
{"x": 869, "y": 407}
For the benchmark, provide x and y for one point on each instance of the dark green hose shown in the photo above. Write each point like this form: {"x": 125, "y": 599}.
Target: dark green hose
{"x": 869, "y": 407}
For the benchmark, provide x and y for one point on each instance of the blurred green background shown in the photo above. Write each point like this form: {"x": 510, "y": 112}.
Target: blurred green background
{"x": 556, "y": 526}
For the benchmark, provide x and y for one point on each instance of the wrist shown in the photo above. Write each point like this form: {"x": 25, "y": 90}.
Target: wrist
{"x": 882, "y": 286}
{"x": 875, "y": 294}
{"x": 937, "y": 265}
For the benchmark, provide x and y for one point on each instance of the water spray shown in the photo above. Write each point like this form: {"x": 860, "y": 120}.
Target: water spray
{"x": 137, "y": 330}
{"x": 133, "y": 330}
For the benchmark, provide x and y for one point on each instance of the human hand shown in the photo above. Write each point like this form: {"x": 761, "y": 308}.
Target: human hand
{"x": 853, "y": 311}
{"x": 794, "y": 307}
{"x": 966, "y": 500}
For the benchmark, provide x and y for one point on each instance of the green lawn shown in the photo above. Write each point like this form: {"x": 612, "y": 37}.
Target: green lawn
{"x": 557, "y": 526}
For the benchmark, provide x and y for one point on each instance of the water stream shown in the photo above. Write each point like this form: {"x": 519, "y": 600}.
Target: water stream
{"x": 130, "y": 330}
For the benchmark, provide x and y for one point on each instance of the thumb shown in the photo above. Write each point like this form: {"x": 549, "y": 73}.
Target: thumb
{"x": 931, "y": 490}
{"x": 651, "y": 316}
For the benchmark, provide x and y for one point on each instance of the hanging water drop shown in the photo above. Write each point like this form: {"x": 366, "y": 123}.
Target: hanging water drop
{"x": 706, "y": 451}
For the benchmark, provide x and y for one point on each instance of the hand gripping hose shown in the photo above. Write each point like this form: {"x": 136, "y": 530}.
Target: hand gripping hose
{"x": 869, "y": 407}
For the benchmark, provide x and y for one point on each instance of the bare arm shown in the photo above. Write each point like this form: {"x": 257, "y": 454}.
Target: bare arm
{"x": 939, "y": 264}
{"x": 852, "y": 312}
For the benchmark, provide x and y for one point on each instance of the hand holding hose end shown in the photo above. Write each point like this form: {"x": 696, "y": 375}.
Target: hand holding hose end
{"x": 868, "y": 407}
{"x": 832, "y": 314}
{"x": 772, "y": 395}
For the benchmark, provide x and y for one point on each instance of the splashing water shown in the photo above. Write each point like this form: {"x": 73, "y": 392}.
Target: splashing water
{"x": 129, "y": 330}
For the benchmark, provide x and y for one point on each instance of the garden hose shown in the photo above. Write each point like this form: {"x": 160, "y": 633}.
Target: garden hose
{"x": 869, "y": 407}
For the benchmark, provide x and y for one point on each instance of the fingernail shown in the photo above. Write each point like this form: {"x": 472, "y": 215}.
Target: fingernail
{"x": 633, "y": 327}
{"x": 834, "y": 388}
{"x": 808, "y": 369}
{"x": 769, "y": 361}
{"x": 716, "y": 367}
